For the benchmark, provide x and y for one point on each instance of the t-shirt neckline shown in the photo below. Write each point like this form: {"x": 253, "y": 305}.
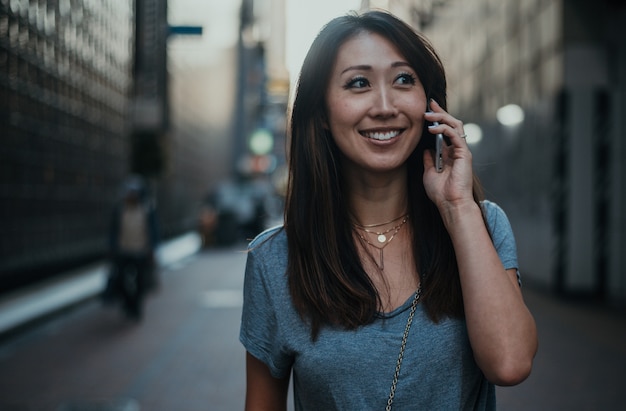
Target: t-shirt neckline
{"x": 398, "y": 310}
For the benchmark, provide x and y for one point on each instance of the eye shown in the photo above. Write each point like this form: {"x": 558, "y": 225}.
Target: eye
{"x": 405, "y": 79}
{"x": 357, "y": 82}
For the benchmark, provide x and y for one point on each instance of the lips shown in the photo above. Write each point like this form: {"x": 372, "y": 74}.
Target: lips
{"x": 381, "y": 135}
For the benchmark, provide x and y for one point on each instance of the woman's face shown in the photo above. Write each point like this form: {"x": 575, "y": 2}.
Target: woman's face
{"x": 376, "y": 104}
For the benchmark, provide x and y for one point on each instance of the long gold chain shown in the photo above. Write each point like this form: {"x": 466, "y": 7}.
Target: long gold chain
{"x": 405, "y": 336}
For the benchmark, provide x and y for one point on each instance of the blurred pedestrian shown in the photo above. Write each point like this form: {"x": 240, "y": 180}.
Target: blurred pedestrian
{"x": 133, "y": 239}
{"x": 391, "y": 284}
{"x": 208, "y": 219}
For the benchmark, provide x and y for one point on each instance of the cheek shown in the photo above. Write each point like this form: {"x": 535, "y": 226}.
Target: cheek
{"x": 415, "y": 110}
{"x": 343, "y": 114}
{"x": 416, "y": 105}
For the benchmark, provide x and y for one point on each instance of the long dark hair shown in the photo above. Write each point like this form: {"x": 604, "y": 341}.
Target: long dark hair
{"x": 327, "y": 281}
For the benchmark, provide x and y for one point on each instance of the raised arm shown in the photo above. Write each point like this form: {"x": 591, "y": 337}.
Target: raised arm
{"x": 501, "y": 329}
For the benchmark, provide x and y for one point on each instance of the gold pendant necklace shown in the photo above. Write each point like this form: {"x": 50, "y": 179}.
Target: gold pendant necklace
{"x": 381, "y": 236}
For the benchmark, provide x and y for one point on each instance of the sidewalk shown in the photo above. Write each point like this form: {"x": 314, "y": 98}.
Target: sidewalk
{"x": 43, "y": 299}
{"x": 581, "y": 362}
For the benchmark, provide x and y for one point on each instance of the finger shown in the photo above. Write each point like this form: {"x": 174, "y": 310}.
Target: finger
{"x": 458, "y": 135}
{"x": 454, "y": 130}
{"x": 448, "y": 132}
{"x": 442, "y": 117}
{"x": 435, "y": 107}
{"x": 445, "y": 124}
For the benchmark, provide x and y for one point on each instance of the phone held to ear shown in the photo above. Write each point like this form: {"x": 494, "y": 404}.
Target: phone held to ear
{"x": 438, "y": 145}
{"x": 438, "y": 150}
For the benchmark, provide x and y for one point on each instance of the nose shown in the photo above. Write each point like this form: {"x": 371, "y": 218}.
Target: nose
{"x": 383, "y": 104}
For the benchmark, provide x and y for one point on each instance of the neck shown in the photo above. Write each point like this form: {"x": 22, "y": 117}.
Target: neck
{"x": 377, "y": 200}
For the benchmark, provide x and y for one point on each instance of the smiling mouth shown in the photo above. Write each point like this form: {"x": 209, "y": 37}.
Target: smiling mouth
{"x": 381, "y": 135}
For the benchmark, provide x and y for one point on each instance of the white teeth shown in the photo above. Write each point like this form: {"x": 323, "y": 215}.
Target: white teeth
{"x": 382, "y": 136}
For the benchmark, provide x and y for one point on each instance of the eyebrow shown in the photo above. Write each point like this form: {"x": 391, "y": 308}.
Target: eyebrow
{"x": 366, "y": 67}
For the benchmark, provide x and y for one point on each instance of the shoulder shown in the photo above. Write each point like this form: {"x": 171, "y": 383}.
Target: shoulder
{"x": 501, "y": 234}
{"x": 267, "y": 315}
{"x": 495, "y": 216}
{"x": 271, "y": 238}
{"x": 491, "y": 209}
{"x": 269, "y": 248}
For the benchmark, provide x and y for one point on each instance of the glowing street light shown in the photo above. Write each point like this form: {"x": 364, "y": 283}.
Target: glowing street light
{"x": 510, "y": 115}
{"x": 261, "y": 142}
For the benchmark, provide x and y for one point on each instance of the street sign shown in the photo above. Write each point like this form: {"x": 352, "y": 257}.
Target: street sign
{"x": 186, "y": 30}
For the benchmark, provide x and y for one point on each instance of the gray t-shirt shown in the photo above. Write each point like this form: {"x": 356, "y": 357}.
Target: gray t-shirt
{"x": 353, "y": 369}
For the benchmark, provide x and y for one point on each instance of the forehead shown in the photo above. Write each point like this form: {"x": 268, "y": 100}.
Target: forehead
{"x": 367, "y": 48}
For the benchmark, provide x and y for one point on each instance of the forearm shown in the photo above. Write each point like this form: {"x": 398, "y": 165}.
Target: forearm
{"x": 501, "y": 329}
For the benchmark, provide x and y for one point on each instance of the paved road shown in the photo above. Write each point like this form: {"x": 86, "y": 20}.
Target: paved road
{"x": 185, "y": 355}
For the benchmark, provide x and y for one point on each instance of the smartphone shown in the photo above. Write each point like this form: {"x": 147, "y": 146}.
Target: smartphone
{"x": 438, "y": 150}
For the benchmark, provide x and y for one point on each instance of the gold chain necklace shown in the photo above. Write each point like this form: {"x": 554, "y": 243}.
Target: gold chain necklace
{"x": 381, "y": 236}
{"x": 379, "y": 224}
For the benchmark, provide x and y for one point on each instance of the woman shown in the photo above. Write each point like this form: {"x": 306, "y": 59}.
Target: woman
{"x": 390, "y": 284}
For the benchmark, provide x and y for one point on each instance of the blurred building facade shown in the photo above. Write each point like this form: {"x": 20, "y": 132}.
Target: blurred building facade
{"x": 263, "y": 86}
{"x": 65, "y": 87}
{"x": 559, "y": 173}
{"x": 92, "y": 91}
{"x": 218, "y": 105}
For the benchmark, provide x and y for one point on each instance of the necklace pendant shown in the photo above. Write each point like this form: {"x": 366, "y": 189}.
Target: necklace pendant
{"x": 382, "y": 238}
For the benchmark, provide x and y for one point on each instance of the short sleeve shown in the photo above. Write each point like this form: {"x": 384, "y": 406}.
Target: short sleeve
{"x": 502, "y": 235}
{"x": 260, "y": 331}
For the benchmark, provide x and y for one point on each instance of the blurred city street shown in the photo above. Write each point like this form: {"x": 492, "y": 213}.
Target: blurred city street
{"x": 190, "y": 101}
{"x": 185, "y": 354}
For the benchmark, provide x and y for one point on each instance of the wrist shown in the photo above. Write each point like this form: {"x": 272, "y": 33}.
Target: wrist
{"x": 455, "y": 213}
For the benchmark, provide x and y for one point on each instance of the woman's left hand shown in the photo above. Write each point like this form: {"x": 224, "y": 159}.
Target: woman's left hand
{"x": 453, "y": 185}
